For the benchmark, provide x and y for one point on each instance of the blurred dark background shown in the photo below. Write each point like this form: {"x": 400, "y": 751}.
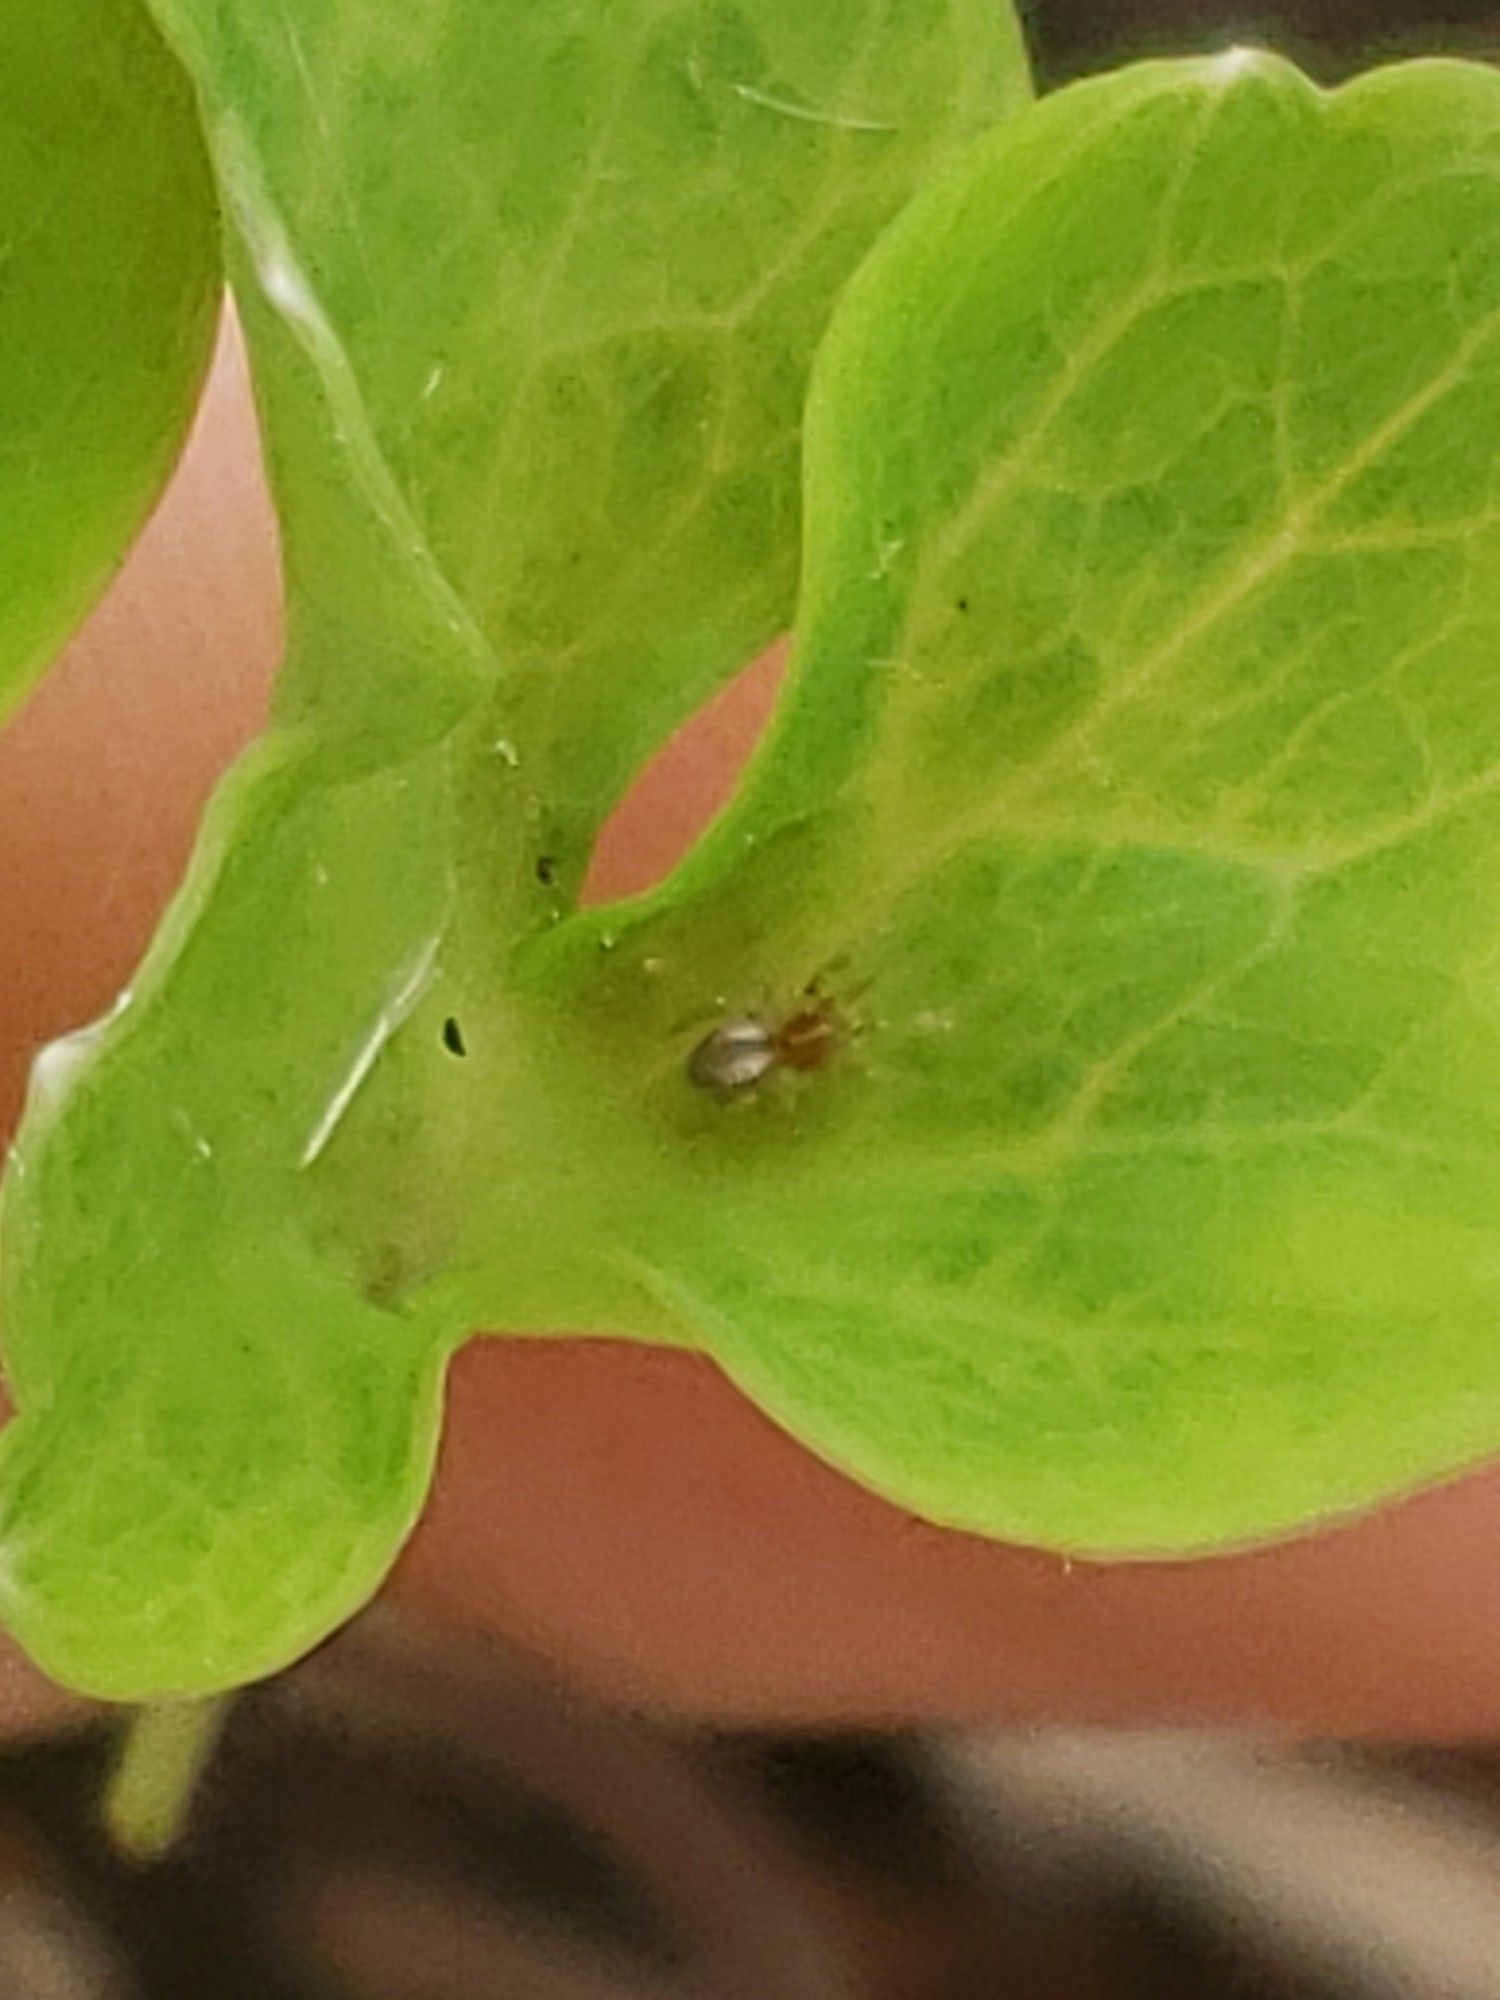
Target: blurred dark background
{"x": 1330, "y": 38}
{"x": 408, "y": 1818}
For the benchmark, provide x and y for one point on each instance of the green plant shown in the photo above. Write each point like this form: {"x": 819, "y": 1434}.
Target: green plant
{"x": 110, "y": 262}
{"x": 1107, "y": 921}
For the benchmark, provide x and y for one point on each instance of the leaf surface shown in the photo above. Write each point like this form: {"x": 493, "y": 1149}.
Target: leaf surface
{"x": 109, "y": 283}
{"x": 531, "y": 295}
{"x": 554, "y": 276}
{"x": 1135, "y": 807}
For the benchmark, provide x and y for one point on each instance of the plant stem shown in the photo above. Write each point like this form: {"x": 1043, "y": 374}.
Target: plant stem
{"x": 162, "y": 1755}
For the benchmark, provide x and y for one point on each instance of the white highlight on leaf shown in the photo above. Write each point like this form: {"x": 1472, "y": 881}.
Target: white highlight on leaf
{"x": 396, "y": 1010}
{"x": 288, "y": 289}
{"x": 805, "y": 112}
{"x": 1235, "y": 62}
{"x": 200, "y": 1145}
{"x": 59, "y": 1062}
{"x": 290, "y": 293}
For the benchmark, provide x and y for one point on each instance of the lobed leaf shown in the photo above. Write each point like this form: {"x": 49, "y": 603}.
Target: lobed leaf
{"x": 531, "y": 295}
{"x": 1136, "y": 807}
{"x": 1126, "y": 843}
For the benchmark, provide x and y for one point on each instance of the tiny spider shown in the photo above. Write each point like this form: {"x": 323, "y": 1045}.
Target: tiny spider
{"x": 737, "y": 1055}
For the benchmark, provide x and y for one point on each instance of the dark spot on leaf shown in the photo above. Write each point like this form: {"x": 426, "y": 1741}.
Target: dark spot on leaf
{"x": 453, "y": 1037}
{"x": 963, "y": 604}
{"x": 546, "y": 870}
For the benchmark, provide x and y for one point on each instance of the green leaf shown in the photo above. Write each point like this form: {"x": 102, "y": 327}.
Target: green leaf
{"x": 220, "y": 1442}
{"x": 109, "y": 283}
{"x": 1136, "y": 804}
{"x": 531, "y": 295}
{"x": 560, "y": 328}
